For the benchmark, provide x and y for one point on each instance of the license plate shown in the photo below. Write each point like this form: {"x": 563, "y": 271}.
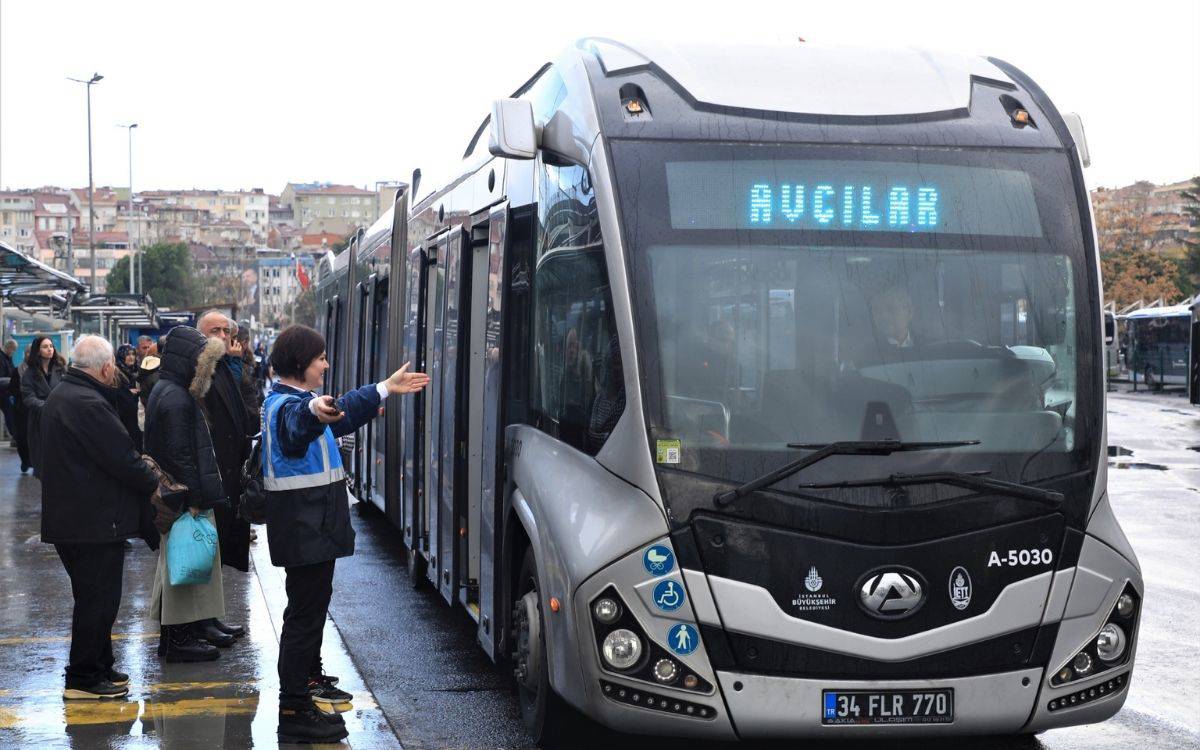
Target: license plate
{"x": 887, "y": 707}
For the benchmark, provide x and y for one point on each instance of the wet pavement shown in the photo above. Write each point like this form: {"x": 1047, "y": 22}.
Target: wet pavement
{"x": 438, "y": 690}
{"x": 421, "y": 681}
{"x": 228, "y": 703}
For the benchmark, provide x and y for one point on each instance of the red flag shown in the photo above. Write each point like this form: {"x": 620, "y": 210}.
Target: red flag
{"x": 300, "y": 274}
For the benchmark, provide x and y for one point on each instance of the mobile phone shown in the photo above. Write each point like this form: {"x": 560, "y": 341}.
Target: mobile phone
{"x": 337, "y": 404}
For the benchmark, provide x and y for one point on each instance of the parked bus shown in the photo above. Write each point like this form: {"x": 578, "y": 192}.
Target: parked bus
{"x": 1194, "y": 358}
{"x": 1159, "y": 341}
{"x": 767, "y": 396}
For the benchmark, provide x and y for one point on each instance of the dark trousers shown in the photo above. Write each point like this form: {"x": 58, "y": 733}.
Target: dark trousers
{"x": 21, "y": 433}
{"x": 9, "y": 408}
{"x": 95, "y": 571}
{"x": 309, "y": 588}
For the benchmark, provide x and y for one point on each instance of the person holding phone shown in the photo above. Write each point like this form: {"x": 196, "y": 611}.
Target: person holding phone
{"x": 308, "y": 515}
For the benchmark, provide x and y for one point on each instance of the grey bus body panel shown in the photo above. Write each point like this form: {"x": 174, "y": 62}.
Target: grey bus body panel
{"x": 751, "y": 610}
{"x": 774, "y": 707}
{"x": 583, "y": 517}
{"x": 632, "y": 580}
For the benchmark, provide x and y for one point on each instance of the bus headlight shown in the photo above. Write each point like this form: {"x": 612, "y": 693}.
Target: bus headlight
{"x": 1110, "y": 643}
{"x": 606, "y": 610}
{"x": 622, "y": 649}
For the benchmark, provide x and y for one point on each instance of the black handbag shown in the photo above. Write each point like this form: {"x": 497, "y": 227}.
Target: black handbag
{"x": 253, "y": 506}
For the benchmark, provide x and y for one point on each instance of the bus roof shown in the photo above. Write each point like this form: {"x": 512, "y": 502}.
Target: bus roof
{"x": 1174, "y": 311}
{"x": 838, "y": 80}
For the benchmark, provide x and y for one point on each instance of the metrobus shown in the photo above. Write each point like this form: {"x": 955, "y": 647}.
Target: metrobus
{"x": 767, "y": 396}
{"x": 1159, "y": 341}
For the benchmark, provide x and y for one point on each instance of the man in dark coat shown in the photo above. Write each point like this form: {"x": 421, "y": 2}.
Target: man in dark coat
{"x": 228, "y": 423}
{"x": 94, "y": 484}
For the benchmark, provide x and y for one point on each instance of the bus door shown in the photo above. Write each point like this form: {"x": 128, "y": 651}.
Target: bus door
{"x": 333, "y": 319}
{"x": 361, "y": 373}
{"x": 412, "y": 468}
{"x": 450, "y": 446}
{"x": 376, "y": 453}
{"x": 434, "y": 344}
{"x": 484, "y": 419}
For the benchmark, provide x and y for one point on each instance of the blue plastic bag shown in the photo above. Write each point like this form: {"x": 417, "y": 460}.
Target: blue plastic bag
{"x": 191, "y": 549}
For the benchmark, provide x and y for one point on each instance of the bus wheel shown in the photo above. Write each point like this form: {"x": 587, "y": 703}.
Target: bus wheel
{"x": 548, "y": 718}
{"x": 416, "y": 567}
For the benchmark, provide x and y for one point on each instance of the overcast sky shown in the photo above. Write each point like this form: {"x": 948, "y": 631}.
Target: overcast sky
{"x": 255, "y": 94}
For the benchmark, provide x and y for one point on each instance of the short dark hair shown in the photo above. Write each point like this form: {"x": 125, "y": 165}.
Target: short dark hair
{"x": 295, "y": 349}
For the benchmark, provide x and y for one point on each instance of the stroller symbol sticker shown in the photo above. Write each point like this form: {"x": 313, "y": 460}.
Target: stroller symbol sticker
{"x": 668, "y": 595}
{"x": 683, "y": 639}
{"x": 658, "y": 560}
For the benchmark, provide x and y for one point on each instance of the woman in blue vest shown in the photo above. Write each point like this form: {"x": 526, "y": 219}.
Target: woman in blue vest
{"x": 308, "y": 515}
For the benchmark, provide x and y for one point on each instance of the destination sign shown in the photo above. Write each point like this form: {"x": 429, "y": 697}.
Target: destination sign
{"x": 851, "y": 196}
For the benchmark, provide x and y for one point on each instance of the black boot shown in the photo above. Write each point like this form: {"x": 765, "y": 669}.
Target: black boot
{"x": 237, "y": 631}
{"x": 179, "y": 645}
{"x": 205, "y": 630}
{"x": 303, "y": 723}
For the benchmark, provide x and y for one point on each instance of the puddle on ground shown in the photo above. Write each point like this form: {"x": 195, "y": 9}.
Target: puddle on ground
{"x": 1194, "y": 448}
{"x": 1136, "y": 465}
{"x": 1119, "y": 450}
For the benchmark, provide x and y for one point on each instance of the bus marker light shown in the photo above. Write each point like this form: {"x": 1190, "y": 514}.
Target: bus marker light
{"x": 555, "y": 604}
{"x": 666, "y": 671}
{"x": 691, "y": 681}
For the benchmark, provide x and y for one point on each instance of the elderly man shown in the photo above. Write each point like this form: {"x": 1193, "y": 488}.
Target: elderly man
{"x": 231, "y": 431}
{"x": 94, "y": 485}
{"x": 146, "y": 347}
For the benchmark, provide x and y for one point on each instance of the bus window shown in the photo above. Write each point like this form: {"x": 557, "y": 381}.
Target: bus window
{"x": 577, "y": 388}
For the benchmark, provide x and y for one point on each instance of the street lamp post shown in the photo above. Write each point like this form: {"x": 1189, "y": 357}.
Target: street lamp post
{"x": 129, "y": 226}
{"x": 96, "y": 78}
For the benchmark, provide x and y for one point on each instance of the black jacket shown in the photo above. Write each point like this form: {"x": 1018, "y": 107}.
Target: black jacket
{"x": 177, "y": 434}
{"x": 94, "y": 483}
{"x": 227, "y": 421}
{"x": 35, "y": 389}
{"x": 7, "y": 370}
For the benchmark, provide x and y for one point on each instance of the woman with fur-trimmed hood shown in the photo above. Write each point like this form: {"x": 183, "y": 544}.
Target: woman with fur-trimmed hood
{"x": 178, "y": 438}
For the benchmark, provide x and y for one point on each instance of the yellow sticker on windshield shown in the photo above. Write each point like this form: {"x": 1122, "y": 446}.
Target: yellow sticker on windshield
{"x": 668, "y": 451}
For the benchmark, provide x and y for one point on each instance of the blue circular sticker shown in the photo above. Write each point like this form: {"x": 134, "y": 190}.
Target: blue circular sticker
{"x": 658, "y": 560}
{"x": 668, "y": 595}
{"x": 683, "y": 639}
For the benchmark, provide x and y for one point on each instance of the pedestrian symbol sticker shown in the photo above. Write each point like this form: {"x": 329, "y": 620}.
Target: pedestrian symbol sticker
{"x": 658, "y": 560}
{"x": 668, "y": 595}
{"x": 683, "y": 639}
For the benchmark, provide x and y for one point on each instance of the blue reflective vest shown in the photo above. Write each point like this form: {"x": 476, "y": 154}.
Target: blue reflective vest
{"x": 321, "y": 464}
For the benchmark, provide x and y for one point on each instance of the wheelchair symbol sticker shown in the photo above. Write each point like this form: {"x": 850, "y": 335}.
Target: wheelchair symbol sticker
{"x": 658, "y": 560}
{"x": 668, "y": 595}
{"x": 683, "y": 639}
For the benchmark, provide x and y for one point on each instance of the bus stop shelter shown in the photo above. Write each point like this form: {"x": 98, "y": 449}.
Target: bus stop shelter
{"x": 114, "y": 315}
{"x": 34, "y": 288}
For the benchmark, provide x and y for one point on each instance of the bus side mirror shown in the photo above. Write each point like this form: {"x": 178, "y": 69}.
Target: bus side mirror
{"x": 1075, "y": 125}
{"x": 513, "y": 133}
{"x": 1110, "y": 329}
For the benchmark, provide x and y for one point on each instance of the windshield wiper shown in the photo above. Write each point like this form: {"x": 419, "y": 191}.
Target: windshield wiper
{"x": 822, "y": 452}
{"x": 957, "y": 479}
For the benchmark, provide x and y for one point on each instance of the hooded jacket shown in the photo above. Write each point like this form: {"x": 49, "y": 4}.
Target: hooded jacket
{"x": 177, "y": 434}
{"x": 94, "y": 482}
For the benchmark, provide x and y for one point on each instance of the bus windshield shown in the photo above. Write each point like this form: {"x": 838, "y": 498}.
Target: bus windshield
{"x": 791, "y": 294}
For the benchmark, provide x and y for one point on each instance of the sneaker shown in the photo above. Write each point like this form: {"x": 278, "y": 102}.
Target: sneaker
{"x": 324, "y": 679}
{"x": 327, "y": 694}
{"x": 97, "y": 691}
{"x": 120, "y": 679}
{"x": 307, "y": 725}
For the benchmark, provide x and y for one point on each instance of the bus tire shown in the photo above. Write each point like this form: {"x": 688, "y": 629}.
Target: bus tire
{"x": 548, "y": 718}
